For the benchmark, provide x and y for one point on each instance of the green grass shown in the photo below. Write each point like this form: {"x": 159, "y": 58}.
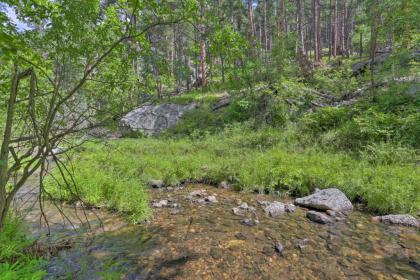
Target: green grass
{"x": 14, "y": 263}
{"x": 115, "y": 174}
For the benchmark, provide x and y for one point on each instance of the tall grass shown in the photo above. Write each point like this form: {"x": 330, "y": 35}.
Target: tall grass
{"x": 14, "y": 263}
{"x": 269, "y": 160}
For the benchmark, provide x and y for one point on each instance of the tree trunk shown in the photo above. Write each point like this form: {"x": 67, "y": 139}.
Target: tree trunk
{"x": 4, "y": 152}
{"x": 316, "y": 30}
{"x": 373, "y": 34}
{"x": 301, "y": 34}
{"x": 251, "y": 28}
{"x": 342, "y": 29}
{"x": 335, "y": 37}
{"x": 222, "y": 61}
{"x": 265, "y": 26}
{"x": 203, "y": 54}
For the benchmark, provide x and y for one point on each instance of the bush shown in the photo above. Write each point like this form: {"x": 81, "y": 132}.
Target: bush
{"x": 386, "y": 153}
{"x": 325, "y": 119}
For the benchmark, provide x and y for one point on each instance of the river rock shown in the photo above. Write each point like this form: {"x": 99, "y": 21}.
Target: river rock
{"x": 156, "y": 184}
{"x": 328, "y": 199}
{"x": 402, "y": 220}
{"x": 289, "y": 208}
{"x": 279, "y": 248}
{"x": 224, "y": 185}
{"x": 319, "y": 217}
{"x": 196, "y": 194}
{"x": 160, "y": 204}
{"x": 301, "y": 244}
{"x": 153, "y": 118}
{"x": 238, "y": 211}
{"x": 242, "y": 209}
{"x": 211, "y": 199}
{"x": 275, "y": 209}
{"x": 250, "y": 222}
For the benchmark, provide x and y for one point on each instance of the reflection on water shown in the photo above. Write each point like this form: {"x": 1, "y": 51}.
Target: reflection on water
{"x": 209, "y": 242}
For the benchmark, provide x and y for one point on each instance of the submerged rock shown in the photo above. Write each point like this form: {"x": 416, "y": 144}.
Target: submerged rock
{"x": 301, "y": 244}
{"x": 250, "y": 222}
{"x": 160, "y": 204}
{"x": 402, "y": 220}
{"x": 237, "y": 211}
{"x": 240, "y": 236}
{"x": 328, "y": 199}
{"x": 242, "y": 209}
{"x": 201, "y": 197}
{"x": 279, "y": 248}
{"x": 319, "y": 217}
{"x": 268, "y": 250}
{"x": 196, "y": 194}
{"x": 211, "y": 199}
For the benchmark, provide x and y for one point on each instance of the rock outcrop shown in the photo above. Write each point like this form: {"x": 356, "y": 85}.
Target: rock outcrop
{"x": 152, "y": 119}
{"x": 328, "y": 199}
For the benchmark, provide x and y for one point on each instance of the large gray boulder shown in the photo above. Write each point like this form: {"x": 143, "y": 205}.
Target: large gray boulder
{"x": 328, "y": 199}
{"x": 152, "y": 119}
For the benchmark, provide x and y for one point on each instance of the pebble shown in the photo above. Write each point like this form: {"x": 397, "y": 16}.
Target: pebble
{"x": 224, "y": 185}
{"x": 211, "y": 199}
{"x": 250, "y": 222}
{"x": 267, "y": 250}
{"x": 238, "y": 212}
{"x": 279, "y": 248}
{"x": 160, "y": 204}
{"x": 240, "y": 236}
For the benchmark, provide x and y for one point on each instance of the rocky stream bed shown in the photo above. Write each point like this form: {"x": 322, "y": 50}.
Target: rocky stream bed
{"x": 203, "y": 232}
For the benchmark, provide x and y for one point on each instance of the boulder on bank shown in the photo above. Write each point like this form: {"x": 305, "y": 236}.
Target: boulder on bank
{"x": 152, "y": 119}
{"x": 328, "y": 199}
{"x": 402, "y": 220}
{"x": 157, "y": 184}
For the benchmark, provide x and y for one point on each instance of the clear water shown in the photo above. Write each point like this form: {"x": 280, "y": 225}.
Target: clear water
{"x": 209, "y": 242}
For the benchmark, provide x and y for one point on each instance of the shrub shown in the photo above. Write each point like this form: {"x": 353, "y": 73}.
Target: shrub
{"x": 325, "y": 119}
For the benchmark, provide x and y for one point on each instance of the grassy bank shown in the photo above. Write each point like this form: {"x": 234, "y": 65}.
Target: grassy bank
{"x": 15, "y": 264}
{"x": 115, "y": 174}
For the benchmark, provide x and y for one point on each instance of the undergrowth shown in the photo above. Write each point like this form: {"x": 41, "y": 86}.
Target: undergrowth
{"x": 15, "y": 264}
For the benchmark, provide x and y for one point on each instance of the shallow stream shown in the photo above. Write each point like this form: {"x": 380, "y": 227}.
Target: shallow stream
{"x": 207, "y": 241}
